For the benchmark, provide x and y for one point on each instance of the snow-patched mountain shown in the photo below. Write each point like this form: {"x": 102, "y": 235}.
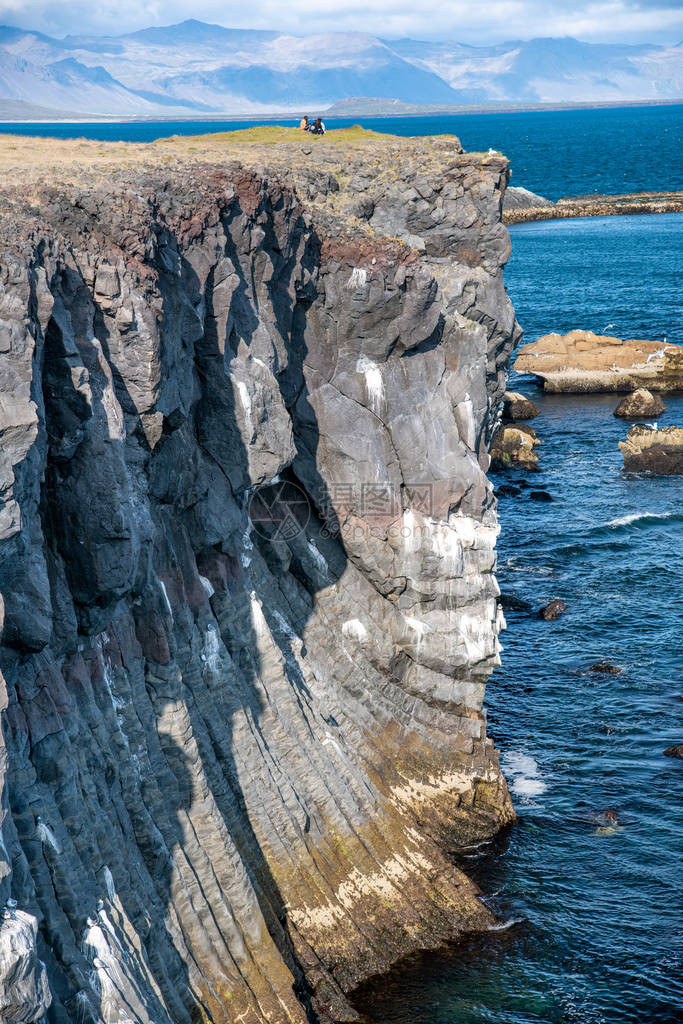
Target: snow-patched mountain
{"x": 193, "y": 67}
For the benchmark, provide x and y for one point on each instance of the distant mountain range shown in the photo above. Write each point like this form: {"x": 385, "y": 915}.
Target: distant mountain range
{"x": 194, "y": 69}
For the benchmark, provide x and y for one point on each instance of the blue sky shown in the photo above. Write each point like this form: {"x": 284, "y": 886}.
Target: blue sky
{"x": 657, "y": 21}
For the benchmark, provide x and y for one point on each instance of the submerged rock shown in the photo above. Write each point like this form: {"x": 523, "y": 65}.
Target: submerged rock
{"x": 518, "y": 407}
{"x": 540, "y": 496}
{"x": 513, "y": 447}
{"x": 605, "y": 668}
{"x": 581, "y": 361}
{"x": 553, "y": 609}
{"x": 641, "y": 404}
{"x": 513, "y": 603}
{"x": 659, "y": 452}
{"x": 675, "y": 751}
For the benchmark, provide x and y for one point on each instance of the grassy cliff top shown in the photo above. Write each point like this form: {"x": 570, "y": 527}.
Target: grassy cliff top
{"x": 26, "y": 159}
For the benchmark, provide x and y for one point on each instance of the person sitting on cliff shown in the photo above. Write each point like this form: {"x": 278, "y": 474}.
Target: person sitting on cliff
{"x": 304, "y": 124}
{"x": 318, "y": 127}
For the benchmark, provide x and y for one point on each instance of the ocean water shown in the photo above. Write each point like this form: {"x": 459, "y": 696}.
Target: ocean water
{"x": 594, "y": 909}
{"x": 555, "y": 153}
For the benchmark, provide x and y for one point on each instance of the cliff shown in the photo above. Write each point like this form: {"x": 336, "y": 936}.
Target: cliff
{"x": 247, "y": 553}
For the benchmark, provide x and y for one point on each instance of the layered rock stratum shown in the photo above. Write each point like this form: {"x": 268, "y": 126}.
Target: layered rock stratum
{"x": 247, "y": 550}
{"x": 581, "y": 361}
{"x": 648, "y": 450}
{"x": 522, "y": 206}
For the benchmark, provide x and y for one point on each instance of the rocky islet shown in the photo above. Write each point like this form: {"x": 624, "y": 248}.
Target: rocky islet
{"x": 581, "y": 362}
{"x": 651, "y": 450}
{"x": 640, "y": 404}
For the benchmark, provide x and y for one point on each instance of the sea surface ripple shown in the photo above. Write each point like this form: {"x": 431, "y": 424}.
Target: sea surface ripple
{"x": 591, "y": 909}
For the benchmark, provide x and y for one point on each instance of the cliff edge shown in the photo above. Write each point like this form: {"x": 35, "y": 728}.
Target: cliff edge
{"x": 246, "y": 563}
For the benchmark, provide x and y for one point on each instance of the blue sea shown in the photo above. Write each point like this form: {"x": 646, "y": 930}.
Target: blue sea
{"x": 554, "y": 153}
{"x": 592, "y": 907}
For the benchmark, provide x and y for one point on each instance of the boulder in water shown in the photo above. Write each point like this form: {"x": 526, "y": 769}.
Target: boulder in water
{"x": 518, "y": 407}
{"x": 605, "y": 668}
{"x": 553, "y": 609}
{"x": 675, "y": 751}
{"x": 514, "y": 447}
{"x": 639, "y": 405}
{"x": 582, "y": 361}
{"x": 648, "y": 450}
{"x": 540, "y": 496}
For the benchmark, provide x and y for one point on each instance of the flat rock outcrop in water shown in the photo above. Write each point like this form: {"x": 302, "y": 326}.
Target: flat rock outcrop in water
{"x": 523, "y": 206}
{"x": 247, "y": 552}
{"x": 582, "y": 361}
{"x": 648, "y": 450}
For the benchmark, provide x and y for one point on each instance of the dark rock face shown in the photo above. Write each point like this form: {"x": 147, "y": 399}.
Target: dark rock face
{"x": 249, "y": 610}
{"x": 658, "y": 452}
{"x": 641, "y": 404}
{"x": 553, "y": 609}
{"x": 514, "y": 603}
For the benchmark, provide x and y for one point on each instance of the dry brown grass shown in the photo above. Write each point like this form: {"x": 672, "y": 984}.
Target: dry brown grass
{"x": 24, "y": 159}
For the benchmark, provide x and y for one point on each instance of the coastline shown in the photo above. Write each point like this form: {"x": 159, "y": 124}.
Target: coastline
{"x": 331, "y": 112}
{"x": 599, "y": 206}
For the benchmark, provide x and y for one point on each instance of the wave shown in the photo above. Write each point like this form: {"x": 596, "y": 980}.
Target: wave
{"x": 644, "y": 518}
{"x": 503, "y": 926}
{"x": 523, "y": 775}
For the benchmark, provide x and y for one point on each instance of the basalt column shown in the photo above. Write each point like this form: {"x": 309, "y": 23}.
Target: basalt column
{"x": 247, "y": 547}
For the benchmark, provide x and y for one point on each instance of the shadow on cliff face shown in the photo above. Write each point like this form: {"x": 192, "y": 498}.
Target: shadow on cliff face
{"x": 168, "y": 635}
{"x": 191, "y": 753}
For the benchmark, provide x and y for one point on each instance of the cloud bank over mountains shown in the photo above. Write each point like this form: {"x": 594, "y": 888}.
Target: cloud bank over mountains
{"x": 632, "y": 21}
{"x": 195, "y": 68}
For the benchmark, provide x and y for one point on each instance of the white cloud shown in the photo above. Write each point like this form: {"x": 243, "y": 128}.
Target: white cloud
{"x": 462, "y": 20}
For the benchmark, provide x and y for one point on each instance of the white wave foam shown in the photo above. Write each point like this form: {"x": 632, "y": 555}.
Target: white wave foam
{"x": 503, "y": 926}
{"x": 523, "y": 775}
{"x": 635, "y": 517}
